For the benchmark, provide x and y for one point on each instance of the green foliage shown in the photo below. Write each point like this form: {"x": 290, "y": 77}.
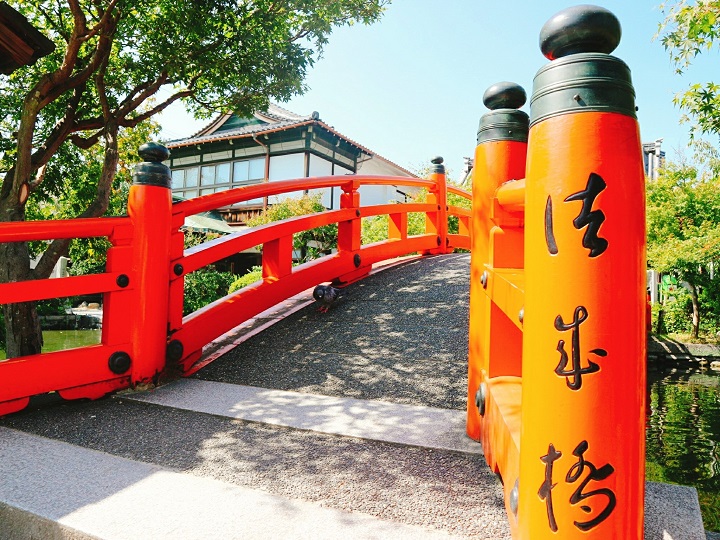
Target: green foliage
{"x": 253, "y": 276}
{"x": 689, "y": 29}
{"x": 683, "y": 219}
{"x": 312, "y": 243}
{"x": 77, "y": 189}
{"x": 375, "y": 228}
{"x": 205, "y": 286}
{"x": 676, "y": 313}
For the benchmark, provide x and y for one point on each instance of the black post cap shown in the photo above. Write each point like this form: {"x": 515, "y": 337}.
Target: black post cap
{"x": 437, "y": 165}
{"x": 152, "y": 171}
{"x": 580, "y": 29}
{"x": 504, "y": 95}
{"x": 504, "y": 122}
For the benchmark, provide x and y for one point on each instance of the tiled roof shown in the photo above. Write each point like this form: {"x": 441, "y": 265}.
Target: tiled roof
{"x": 274, "y": 119}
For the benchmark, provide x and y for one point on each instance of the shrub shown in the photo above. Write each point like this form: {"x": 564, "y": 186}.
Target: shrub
{"x": 313, "y": 243}
{"x": 255, "y": 274}
{"x": 205, "y": 286}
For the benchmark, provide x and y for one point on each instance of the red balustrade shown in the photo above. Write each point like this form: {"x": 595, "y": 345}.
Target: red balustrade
{"x": 144, "y": 330}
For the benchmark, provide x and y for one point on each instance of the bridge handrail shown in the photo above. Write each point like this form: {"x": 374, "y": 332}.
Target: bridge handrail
{"x": 147, "y": 263}
{"x": 279, "y": 187}
{"x": 26, "y": 231}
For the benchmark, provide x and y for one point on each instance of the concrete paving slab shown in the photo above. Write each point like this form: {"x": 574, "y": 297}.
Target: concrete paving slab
{"x": 89, "y": 494}
{"x": 428, "y": 427}
{"x": 672, "y": 513}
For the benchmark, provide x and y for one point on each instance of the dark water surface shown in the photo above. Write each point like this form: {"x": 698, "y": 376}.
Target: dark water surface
{"x": 59, "y": 340}
{"x": 683, "y": 433}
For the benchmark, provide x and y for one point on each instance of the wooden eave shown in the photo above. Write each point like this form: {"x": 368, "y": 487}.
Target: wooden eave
{"x": 20, "y": 43}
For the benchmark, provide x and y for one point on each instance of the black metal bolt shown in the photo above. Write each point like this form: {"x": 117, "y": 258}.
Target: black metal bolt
{"x": 178, "y": 269}
{"x": 119, "y": 362}
{"x": 521, "y": 315}
{"x": 357, "y": 260}
{"x": 515, "y": 498}
{"x": 480, "y": 396}
{"x": 439, "y": 241}
{"x": 174, "y": 350}
{"x": 122, "y": 281}
{"x": 357, "y": 213}
{"x": 484, "y": 279}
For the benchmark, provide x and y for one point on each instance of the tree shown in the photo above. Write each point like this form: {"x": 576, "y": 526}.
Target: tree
{"x": 118, "y": 63}
{"x": 690, "y": 28}
{"x": 683, "y": 218}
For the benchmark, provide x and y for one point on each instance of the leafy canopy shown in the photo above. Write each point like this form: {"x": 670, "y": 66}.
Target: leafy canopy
{"x": 689, "y": 29}
{"x": 119, "y": 62}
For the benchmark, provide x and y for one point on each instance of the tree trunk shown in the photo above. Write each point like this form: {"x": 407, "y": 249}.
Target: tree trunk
{"x": 695, "y": 311}
{"x": 22, "y": 326}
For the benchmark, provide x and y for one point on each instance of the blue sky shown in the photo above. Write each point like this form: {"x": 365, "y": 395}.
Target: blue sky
{"x": 410, "y": 87}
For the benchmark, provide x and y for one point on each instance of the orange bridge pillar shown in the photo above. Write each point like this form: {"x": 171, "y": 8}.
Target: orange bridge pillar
{"x": 495, "y": 344}
{"x": 582, "y": 452}
{"x": 150, "y": 211}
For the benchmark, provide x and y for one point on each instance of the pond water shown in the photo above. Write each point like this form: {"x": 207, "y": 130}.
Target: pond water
{"x": 58, "y": 340}
{"x": 683, "y": 433}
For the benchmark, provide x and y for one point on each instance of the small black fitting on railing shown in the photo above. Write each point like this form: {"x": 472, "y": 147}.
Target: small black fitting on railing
{"x": 357, "y": 260}
{"x": 174, "y": 351}
{"x": 178, "y": 269}
{"x": 119, "y": 362}
{"x": 122, "y": 281}
{"x": 152, "y": 172}
{"x": 480, "y": 397}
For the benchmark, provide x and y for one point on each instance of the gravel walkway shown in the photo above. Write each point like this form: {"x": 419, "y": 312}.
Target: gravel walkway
{"x": 399, "y": 335}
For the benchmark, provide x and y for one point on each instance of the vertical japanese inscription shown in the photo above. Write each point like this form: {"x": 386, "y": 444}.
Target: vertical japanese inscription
{"x": 573, "y": 376}
{"x": 549, "y": 233}
{"x": 580, "y": 495}
{"x": 545, "y": 491}
{"x": 592, "y": 219}
{"x": 588, "y": 218}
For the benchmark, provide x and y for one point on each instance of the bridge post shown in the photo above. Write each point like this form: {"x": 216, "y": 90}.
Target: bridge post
{"x": 150, "y": 211}
{"x": 349, "y": 231}
{"x": 582, "y": 451}
{"x": 496, "y": 242}
{"x": 436, "y": 222}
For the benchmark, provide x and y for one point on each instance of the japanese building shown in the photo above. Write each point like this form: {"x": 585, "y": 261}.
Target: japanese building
{"x": 270, "y": 146}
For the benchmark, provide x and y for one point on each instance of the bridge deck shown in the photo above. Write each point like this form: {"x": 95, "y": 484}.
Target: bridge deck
{"x": 278, "y": 436}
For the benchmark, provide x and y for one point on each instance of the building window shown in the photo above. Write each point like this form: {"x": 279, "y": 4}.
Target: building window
{"x": 218, "y": 177}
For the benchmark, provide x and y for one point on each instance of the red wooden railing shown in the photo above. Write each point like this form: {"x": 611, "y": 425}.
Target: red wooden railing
{"x": 144, "y": 330}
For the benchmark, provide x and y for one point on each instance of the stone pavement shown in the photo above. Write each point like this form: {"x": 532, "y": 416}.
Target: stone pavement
{"x": 346, "y": 424}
